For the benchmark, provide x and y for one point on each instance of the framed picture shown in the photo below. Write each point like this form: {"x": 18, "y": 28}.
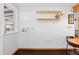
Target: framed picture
{"x": 70, "y": 18}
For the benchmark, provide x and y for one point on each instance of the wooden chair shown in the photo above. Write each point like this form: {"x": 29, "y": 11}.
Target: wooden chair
{"x": 68, "y": 44}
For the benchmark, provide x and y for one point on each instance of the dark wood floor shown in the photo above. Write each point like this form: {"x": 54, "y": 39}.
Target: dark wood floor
{"x": 42, "y": 52}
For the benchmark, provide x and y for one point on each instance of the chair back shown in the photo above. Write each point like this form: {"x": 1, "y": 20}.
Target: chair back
{"x": 69, "y": 37}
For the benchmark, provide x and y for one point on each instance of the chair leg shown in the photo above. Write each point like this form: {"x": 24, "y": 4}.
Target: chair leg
{"x": 75, "y": 51}
{"x": 66, "y": 49}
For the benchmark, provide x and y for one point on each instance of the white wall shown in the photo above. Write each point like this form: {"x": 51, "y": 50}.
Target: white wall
{"x": 1, "y": 26}
{"x": 10, "y": 43}
{"x": 43, "y": 34}
{"x": 76, "y": 15}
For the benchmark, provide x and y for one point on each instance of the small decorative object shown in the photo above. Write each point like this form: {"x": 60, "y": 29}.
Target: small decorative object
{"x": 57, "y": 16}
{"x": 70, "y": 18}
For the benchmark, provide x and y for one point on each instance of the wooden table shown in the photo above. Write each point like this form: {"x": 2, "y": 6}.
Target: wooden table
{"x": 73, "y": 42}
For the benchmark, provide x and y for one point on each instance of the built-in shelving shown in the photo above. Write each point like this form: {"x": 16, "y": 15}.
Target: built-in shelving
{"x": 9, "y": 19}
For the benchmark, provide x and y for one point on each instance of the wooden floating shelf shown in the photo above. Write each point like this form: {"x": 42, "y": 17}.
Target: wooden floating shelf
{"x": 47, "y": 19}
{"x": 50, "y": 12}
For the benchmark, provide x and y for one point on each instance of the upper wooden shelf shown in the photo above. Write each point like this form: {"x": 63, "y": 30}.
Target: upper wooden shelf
{"x": 49, "y": 12}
